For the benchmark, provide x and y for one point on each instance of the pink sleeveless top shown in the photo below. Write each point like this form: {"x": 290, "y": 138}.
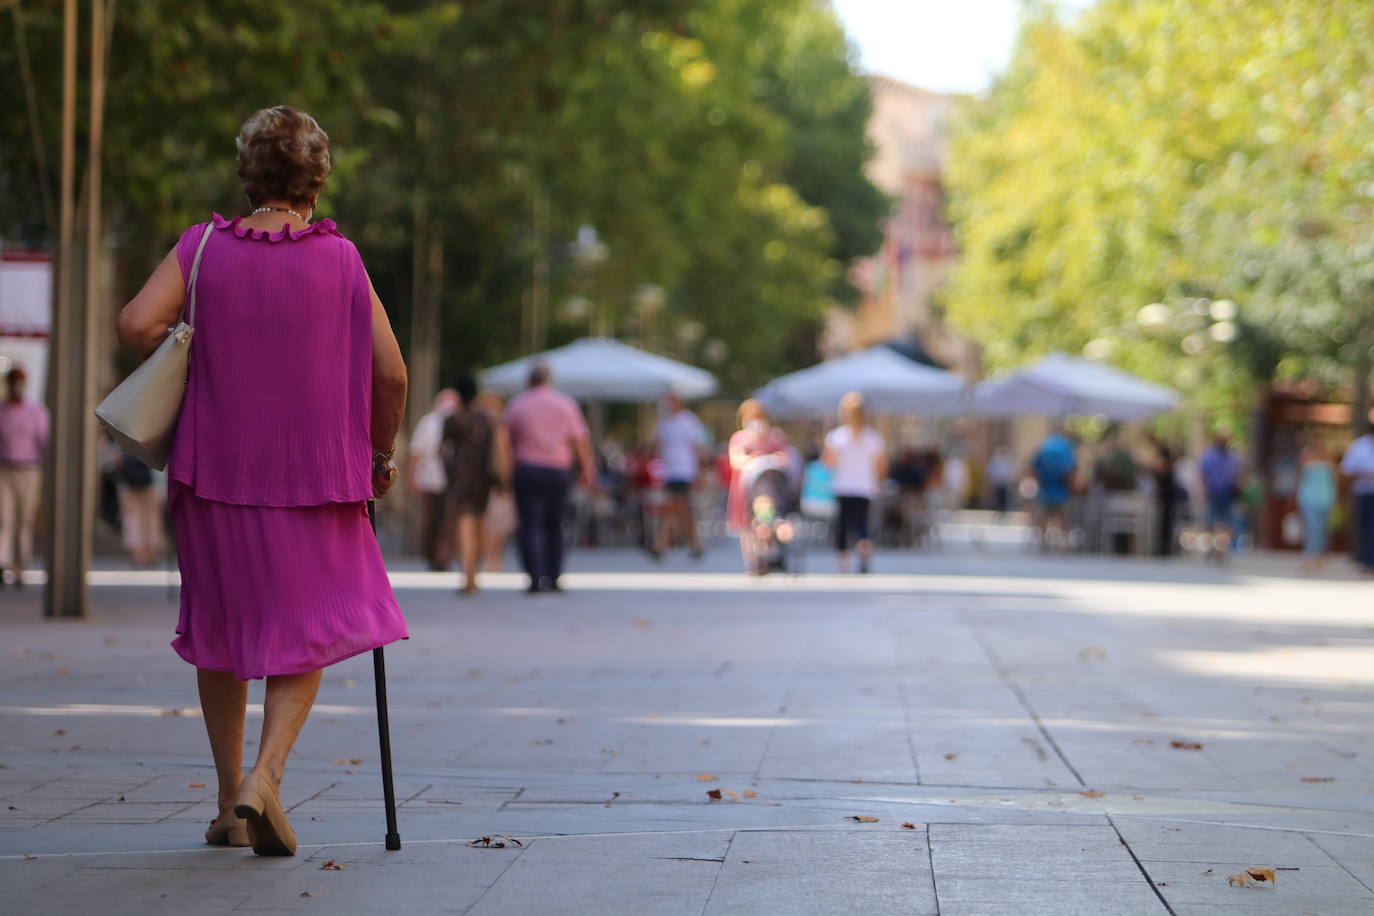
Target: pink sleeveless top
{"x": 279, "y": 401}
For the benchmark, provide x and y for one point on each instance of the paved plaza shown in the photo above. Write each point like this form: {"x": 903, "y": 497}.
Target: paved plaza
{"x": 957, "y": 734}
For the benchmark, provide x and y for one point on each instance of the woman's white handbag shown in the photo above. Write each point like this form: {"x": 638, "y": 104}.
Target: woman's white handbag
{"x": 141, "y": 414}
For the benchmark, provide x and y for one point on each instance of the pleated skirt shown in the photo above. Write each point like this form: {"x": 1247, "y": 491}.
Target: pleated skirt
{"x": 267, "y": 590}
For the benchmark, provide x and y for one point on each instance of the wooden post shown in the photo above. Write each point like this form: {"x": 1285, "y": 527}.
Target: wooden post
{"x": 66, "y": 594}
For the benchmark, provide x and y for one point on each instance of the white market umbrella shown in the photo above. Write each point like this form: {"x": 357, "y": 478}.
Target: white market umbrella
{"x": 889, "y": 382}
{"x": 1061, "y": 385}
{"x": 602, "y": 369}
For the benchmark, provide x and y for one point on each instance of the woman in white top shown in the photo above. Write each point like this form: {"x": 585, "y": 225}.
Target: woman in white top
{"x": 857, "y": 456}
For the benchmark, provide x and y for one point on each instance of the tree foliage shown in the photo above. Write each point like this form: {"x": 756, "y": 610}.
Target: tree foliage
{"x": 716, "y": 146}
{"x": 1177, "y": 152}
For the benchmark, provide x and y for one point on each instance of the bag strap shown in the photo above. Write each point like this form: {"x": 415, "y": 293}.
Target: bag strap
{"x": 189, "y": 312}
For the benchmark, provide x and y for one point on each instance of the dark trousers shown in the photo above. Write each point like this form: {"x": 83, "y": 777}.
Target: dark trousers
{"x": 1364, "y": 519}
{"x": 541, "y": 495}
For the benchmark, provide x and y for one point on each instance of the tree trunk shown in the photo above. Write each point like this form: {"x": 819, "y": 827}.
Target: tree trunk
{"x": 1359, "y": 403}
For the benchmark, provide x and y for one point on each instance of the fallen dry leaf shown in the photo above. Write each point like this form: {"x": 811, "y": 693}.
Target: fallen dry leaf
{"x": 331, "y": 865}
{"x": 951, "y": 756}
{"x": 714, "y": 794}
{"x": 1138, "y": 797}
{"x": 1252, "y": 876}
{"x": 195, "y": 785}
{"x": 29, "y": 855}
{"x": 1179, "y": 744}
{"x": 862, "y": 818}
{"x": 750, "y": 793}
{"x": 1319, "y": 779}
{"x": 1091, "y": 793}
{"x": 908, "y": 825}
{"x": 732, "y": 794}
{"x": 498, "y": 841}
{"x": 705, "y": 777}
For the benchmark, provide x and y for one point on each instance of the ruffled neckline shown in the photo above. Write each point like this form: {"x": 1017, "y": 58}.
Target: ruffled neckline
{"x": 320, "y": 227}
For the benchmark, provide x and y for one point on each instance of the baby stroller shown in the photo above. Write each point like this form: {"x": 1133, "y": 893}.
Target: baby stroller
{"x": 769, "y": 502}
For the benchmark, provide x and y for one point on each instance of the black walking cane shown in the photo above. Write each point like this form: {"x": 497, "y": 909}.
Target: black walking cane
{"x": 393, "y": 836}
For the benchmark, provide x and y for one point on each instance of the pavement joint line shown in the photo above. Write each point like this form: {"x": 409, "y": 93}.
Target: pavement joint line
{"x": 1188, "y": 820}
{"x": 930, "y": 860}
{"x": 1347, "y": 870}
{"x": 829, "y": 827}
{"x": 1005, "y": 674}
{"x": 1144, "y": 873}
{"x": 715, "y": 882}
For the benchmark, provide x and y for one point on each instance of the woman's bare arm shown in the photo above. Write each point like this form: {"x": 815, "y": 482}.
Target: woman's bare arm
{"x": 143, "y": 323}
{"x": 389, "y": 384}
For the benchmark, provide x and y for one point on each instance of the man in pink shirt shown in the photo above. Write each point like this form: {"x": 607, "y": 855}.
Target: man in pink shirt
{"x": 547, "y": 434}
{"x": 24, "y": 429}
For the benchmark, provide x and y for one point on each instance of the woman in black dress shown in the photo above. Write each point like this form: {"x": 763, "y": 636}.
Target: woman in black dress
{"x": 476, "y": 456}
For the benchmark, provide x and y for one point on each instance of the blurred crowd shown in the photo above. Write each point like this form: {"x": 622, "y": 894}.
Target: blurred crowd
{"x": 848, "y": 489}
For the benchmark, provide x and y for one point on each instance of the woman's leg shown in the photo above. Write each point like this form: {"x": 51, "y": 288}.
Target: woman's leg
{"x": 222, "y": 701}
{"x": 289, "y": 698}
{"x": 863, "y": 534}
{"x": 470, "y": 546}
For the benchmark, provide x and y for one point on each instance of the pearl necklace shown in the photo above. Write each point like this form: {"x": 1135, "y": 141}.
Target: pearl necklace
{"x": 279, "y": 210}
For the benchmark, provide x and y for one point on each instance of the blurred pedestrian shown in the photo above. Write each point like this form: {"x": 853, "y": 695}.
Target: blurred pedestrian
{"x": 1054, "y": 466}
{"x": 24, "y": 431}
{"x": 548, "y": 436}
{"x": 291, "y": 410}
{"x": 857, "y": 455}
{"x": 1001, "y": 472}
{"x": 140, "y": 511}
{"x": 757, "y": 438}
{"x": 1166, "y": 497}
{"x": 429, "y": 483}
{"x": 1116, "y": 470}
{"x": 1316, "y": 499}
{"x": 954, "y": 479}
{"x": 1358, "y": 464}
{"x": 818, "y": 490}
{"x": 499, "y": 523}
{"x": 1221, "y": 478}
{"x": 682, "y": 446}
{"x": 475, "y": 455}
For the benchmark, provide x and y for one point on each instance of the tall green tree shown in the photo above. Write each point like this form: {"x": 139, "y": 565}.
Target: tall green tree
{"x": 1176, "y": 152}
{"x": 716, "y": 146}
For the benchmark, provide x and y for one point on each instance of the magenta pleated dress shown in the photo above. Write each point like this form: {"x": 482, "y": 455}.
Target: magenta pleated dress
{"x": 271, "y": 465}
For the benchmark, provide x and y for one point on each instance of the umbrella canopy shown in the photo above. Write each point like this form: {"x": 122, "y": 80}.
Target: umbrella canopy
{"x": 1061, "y": 385}
{"x": 889, "y": 382}
{"x": 602, "y": 369}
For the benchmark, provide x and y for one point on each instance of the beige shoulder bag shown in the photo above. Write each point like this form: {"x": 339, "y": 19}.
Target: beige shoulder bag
{"x": 141, "y": 414}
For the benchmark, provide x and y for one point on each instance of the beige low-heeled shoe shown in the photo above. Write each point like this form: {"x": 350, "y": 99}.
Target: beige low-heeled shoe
{"x": 269, "y": 833}
{"x": 227, "y": 830}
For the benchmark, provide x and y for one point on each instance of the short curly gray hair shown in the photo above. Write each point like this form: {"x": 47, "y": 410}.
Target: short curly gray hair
{"x": 283, "y": 154}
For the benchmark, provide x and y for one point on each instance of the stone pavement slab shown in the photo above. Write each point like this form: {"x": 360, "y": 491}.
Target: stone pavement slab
{"x": 1019, "y": 712}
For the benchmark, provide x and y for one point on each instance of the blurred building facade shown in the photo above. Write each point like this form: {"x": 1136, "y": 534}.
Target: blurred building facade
{"x": 910, "y": 131}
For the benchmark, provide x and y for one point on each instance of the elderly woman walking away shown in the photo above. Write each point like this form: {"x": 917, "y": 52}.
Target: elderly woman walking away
{"x": 295, "y": 395}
